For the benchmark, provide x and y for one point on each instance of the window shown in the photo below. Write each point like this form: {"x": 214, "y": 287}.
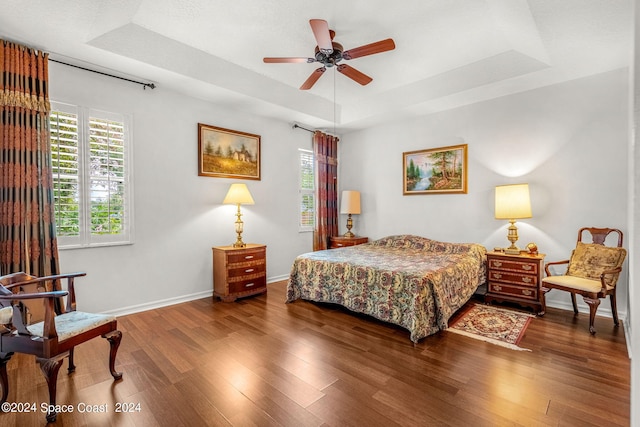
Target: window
{"x": 307, "y": 191}
{"x": 91, "y": 170}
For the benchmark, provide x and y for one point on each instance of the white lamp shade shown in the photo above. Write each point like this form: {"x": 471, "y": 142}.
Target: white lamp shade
{"x": 350, "y": 203}
{"x": 238, "y": 194}
{"x": 513, "y": 202}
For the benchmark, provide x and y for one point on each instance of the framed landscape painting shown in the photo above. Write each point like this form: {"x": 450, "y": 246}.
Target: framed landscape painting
{"x": 227, "y": 153}
{"x": 435, "y": 171}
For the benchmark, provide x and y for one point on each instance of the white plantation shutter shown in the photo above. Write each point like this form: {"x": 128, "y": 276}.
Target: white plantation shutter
{"x": 66, "y": 172}
{"x": 97, "y": 189}
{"x": 306, "y": 191}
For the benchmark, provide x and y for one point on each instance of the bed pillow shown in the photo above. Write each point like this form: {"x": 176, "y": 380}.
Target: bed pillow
{"x": 589, "y": 260}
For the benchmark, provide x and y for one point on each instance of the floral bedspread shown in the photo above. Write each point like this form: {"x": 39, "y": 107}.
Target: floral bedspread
{"x": 410, "y": 281}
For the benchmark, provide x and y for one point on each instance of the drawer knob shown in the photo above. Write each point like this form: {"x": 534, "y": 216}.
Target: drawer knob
{"x": 497, "y": 264}
{"x": 526, "y": 292}
{"x": 249, "y": 270}
{"x": 248, "y": 257}
{"x": 339, "y": 244}
{"x": 248, "y": 285}
{"x": 497, "y": 275}
{"x": 527, "y": 279}
{"x": 526, "y": 267}
{"x": 497, "y": 288}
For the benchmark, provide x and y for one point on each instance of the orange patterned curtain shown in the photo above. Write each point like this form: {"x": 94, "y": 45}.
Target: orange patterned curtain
{"x": 27, "y": 221}
{"x": 325, "y": 152}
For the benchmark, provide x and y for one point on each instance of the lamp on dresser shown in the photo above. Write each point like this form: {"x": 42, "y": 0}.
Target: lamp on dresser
{"x": 512, "y": 202}
{"x": 238, "y": 194}
{"x": 350, "y": 204}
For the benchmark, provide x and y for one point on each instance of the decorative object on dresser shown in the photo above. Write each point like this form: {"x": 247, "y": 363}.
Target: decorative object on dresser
{"x": 238, "y": 194}
{"x": 239, "y": 272}
{"x": 341, "y": 241}
{"x": 516, "y": 279}
{"x": 36, "y": 320}
{"x": 512, "y": 202}
{"x": 592, "y": 271}
{"x": 350, "y": 204}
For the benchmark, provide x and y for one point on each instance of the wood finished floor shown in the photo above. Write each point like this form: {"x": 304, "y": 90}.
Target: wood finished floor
{"x": 260, "y": 362}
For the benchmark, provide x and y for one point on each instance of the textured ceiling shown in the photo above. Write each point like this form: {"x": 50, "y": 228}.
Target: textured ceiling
{"x": 448, "y": 52}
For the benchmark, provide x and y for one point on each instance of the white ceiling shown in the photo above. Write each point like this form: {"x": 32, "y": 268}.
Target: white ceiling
{"x": 448, "y": 52}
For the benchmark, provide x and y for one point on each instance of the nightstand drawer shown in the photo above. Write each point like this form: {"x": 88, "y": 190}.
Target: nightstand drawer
{"x": 246, "y": 256}
{"x": 515, "y": 278}
{"x": 341, "y": 241}
{"x": 252, "y": 268}
{"x": 513, "y": 265}
{"x": 519, "y": 291}
{"x": 248, "y": 285}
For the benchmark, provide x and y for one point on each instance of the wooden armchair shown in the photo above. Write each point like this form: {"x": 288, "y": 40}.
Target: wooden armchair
{"x": 54, "y": 338}
{"x": 592, "y": 272}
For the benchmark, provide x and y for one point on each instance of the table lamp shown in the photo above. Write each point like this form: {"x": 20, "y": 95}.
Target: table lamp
{"x": 350, "y": 204}
{"x": 512, "y": 202}
{"x": 238, "y": 194}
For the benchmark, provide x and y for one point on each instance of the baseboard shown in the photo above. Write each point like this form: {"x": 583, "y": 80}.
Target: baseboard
{"x": 603, "y": 310}
{"x": 175, "y": 300}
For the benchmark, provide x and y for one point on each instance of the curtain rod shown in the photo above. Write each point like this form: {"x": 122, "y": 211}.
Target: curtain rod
{"x": 295, "y": 125}
{"x": 144, "y": 85}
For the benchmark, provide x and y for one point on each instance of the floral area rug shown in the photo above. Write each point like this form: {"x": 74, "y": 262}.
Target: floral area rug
{"x": 495, "y": 325}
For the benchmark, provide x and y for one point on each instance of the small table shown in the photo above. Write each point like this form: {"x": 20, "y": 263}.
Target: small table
{"x": 239, "y": 272}
{"x": 516, "y": 279}
{"x": 341, "y": 241}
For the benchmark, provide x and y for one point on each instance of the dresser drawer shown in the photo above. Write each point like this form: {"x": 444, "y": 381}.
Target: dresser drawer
{"x": 519, "y": 291}
{"x": 244, "y": 285}
{"x": 251, "y": 269}
{"x": 244, "y": 256}
{"x": 515, "y": 278}
{"x": 514, "y": 265}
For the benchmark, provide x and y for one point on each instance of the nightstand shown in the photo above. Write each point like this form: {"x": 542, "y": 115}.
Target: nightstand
{"x": 341, "y": 241}
{"x": 239, "y": 272}
{"x": 516, "y": 279}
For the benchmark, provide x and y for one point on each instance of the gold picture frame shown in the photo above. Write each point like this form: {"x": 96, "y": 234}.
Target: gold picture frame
{"x": 435, "y": 171}
{"x": 226, "y": 153}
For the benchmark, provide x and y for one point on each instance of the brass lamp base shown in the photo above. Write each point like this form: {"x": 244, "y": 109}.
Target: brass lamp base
{"x": 349, "y": 227}
{"x": 512, "y": 236}
{"x": 239, "y": 227}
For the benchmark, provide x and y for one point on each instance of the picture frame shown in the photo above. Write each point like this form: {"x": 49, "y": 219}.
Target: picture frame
{"x": 226, "y": 153}
{"x": 440, "y": 170}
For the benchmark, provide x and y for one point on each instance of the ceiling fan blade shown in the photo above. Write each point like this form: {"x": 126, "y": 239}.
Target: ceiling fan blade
{"x": 354, "y": 74}
{"x": 320, "y": 30}
{"x": 313, "y": 78}
{"x": 288, "y": 60}
{"x": 369, "y": 49}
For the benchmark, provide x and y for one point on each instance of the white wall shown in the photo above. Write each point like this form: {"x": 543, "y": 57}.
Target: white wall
{"x": 178, "y": 214}
{"x": 568, "y": 141}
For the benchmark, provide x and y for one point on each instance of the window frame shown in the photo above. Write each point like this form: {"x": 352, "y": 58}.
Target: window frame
{"x": 302, "y": 192}
{"x": 85, "y": 237}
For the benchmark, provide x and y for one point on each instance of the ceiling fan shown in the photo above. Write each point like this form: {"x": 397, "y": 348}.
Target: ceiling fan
{"x": 330, "y": 53}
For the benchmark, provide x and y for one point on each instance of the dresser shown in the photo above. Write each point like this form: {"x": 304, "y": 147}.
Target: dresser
{"x": 239, "y": 272}
{"x": 516, "y": 279}
{"x": 341, "y": 241}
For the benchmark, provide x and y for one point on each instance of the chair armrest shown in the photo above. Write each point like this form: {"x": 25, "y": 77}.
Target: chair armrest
{"x": 71, "y": 300}
{"x": 34, "y": 295}
{"x": 604, "y": 273}
{"x": 547, "y": 265}
{"x": 46, "y": 278}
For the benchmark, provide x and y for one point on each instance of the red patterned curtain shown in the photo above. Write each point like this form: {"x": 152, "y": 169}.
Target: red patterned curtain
{"x": 325, "y": 152}
{"x": 27, "y": 222}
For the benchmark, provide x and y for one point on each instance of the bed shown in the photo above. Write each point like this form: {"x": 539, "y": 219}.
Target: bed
{"x": 406, "y": 280}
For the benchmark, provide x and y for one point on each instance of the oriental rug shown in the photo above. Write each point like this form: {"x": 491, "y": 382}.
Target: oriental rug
{"x": 494, "y": 325}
